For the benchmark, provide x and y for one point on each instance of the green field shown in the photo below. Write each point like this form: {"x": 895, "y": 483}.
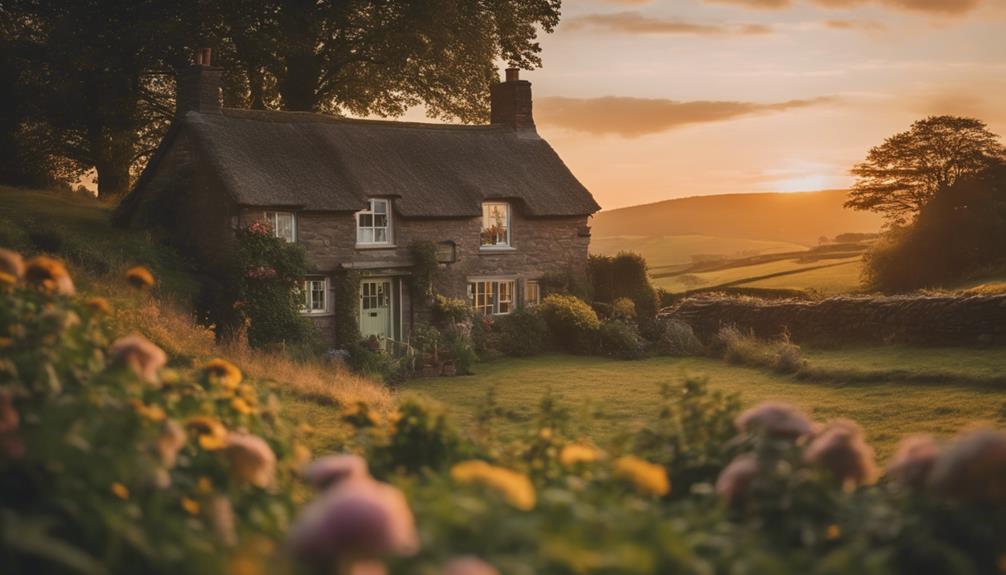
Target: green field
{"x": 844, "y": 277}
{"x": 618, "y": 394}
{"x": 833, "y": 275}
{"x": 675, "y": 250}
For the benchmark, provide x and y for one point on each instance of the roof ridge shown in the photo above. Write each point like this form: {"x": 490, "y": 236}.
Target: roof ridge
{"x": 288, "y": 117}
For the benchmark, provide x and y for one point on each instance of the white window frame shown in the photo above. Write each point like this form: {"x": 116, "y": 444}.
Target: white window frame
{"x": 371, "y": 211}
{"x": 307, "y": 290}
{"x": 486, "y": 296}
{"x": 506, "y": 242}
{"x": 272, "y": 217}
{"x": 532, "y": 293}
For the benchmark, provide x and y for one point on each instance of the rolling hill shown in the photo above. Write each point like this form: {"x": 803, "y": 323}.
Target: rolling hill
{"x": 795, "y": 218}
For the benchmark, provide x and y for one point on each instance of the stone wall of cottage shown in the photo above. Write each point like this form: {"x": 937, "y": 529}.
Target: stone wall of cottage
{"x": 540, "y": 246}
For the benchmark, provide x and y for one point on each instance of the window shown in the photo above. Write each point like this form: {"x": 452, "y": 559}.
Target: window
{"x": 532, "y": 293}
{"x": 284, "y": 225}
{"x": 495, "y": 225}
{"x": 492, "y": 297}
{"x": 315, "y": 291}
{"x": 373, "y": 225}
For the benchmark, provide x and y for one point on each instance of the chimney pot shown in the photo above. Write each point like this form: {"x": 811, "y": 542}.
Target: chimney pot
{"x": 512, "y": 74}
{"x": 197, "y": 87}
{"x": 510, "y": 102}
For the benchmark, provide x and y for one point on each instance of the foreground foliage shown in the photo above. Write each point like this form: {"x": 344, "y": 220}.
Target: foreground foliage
{"x": 112, "y": 462}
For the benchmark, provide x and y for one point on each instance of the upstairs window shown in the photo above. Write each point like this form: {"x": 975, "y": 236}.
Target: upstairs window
{"x": 315, "y": 292}
{"x": 284, "y": 225}
{"x": 373, "y": 225}
{"x": 495, "y": 225}
{"x": 492, "y": 297}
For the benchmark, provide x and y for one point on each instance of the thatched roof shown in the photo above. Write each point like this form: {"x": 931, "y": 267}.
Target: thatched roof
{"x": 318, "y": 162}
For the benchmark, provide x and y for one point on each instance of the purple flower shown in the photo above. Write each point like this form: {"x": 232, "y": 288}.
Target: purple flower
{"x": 140, "y": 355}
{"x": 331, "y": 470}
{"x": 469, "y": 565}
{"x": 914, "y": 460}
{"x": 973, "y": 468}
{"x": 735, "y": 480}
{"x": 775, "y": 419}
{"x": 840, "y": 449}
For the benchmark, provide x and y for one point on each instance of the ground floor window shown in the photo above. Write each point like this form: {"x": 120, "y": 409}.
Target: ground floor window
{"x": 532, "y": 293}
{"x": 315, "y": 292}
{"x": 492, "y": 297}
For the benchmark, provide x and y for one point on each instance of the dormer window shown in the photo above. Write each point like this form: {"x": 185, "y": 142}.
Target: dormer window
{"x": 373, "y": 225}
{"x": 495, "y": 225}
{"x": 284, "y": 225}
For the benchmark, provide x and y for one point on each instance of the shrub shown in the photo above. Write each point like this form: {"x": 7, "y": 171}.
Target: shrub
{"x": 623, "y": 309}
{"x": 572, "y": 324}
{"x": 620, "y": 339}
{"x": 781, "y": 355}
{"x": 677, "y": 339}
{"x": 623, "y": 276}
{"x": 522, "y": 333}
{"x": 451, "y": 310}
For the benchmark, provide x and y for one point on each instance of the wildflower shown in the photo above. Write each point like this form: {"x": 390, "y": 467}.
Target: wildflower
{"x": 221, "y": 514}
{"x": 241, "y": 406}
{"x": 914, "y": 460}
{"x": 841, "y": 450}
{"x": 331, "y": 470}
{"x": 11, "y": 264}
{"x": 833, "y": 532}
{"x": 210, "y": 433}
{"x": 169, "y": 443}
{"x": 358, "y": 518}
{"x": 140, "y": 355}
{"x": 99, "y": 305}
{"x": 779, "y": 420}
{"x": 301, "y": 455}
{"x": 48, "y": 275}
{"x": 973, "y": 468}
{"x": 6, "y": 342}
{"x": 648, "y": 478}
{"x": 139, "y": 277}
{"x": 120, "y": 490}
{"x": 516, "y": 488}
{"x": 204, "y": 486}
{"x": 7, "y": 280}
{"x": 252, "y": 460}
{"x": 222, "y": 372}
{"x": 469, "y": 565}
{"x": 735, "y": 480}
{"x": 573, "y": 454}
{"x": 148, "y": 412}
{"x": 191, "y": 506}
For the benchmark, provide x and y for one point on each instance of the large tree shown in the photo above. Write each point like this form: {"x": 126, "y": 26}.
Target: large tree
{"x": 902, "y": 175}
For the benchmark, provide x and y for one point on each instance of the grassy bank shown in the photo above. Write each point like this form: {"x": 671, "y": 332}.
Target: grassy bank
{"x": 617, "y": 394}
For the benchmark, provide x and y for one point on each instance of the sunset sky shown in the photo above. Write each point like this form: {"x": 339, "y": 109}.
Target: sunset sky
{"x": 654, "y": 99}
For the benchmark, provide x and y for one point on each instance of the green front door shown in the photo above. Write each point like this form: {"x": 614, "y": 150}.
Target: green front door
{"x": 375, "y": 308}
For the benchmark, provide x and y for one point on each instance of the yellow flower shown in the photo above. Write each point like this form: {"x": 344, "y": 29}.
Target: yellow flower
{"x": 833, "y": 532}
{"x": 648, "y": 478}
{"x": 212, "y": 434}
{"x": 139, "y": 277}
{"x": 48, "y": 275}
{"x": 120, "y": 490}
{"x": 148, "y": 412}
{"x": 241, "y": 406}
{"x": 204, "y": 486}
{"x": 574, "y": 453}
{"x": 222, "y": 372}
{"x": 99, "y": 305}
{"x": 191, "y": 506}
{"x": 515, "y": 487}
{"x": 7, "y": 279}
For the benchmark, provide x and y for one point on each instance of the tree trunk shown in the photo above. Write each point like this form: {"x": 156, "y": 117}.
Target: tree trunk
{"x": 299, "y": 87}
{"x": 113, "y": 157}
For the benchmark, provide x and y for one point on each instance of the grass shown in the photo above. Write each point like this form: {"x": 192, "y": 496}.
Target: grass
{"x": 842, "y": 278}
{"x": 618, "y": 394}
{"x": 679, "y": 249}
{"x": 787, "y": 270}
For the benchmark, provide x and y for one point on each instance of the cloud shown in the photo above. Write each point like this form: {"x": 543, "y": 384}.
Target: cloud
{"x": 945, "y": 7}
{"x": 637, "y": 23}
{"x": 634, "y": 117}
{"x": 629, "y": 2}
{"x": 863, "y": 25}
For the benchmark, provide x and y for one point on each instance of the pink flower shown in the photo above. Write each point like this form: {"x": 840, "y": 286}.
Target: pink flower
{"x": 221, "y": 514}
{"x": 331, "y": 470}
{"x": 775, "y": 419}
{"x": 261, "y": 272}
{"x": 914, "y": 460}
{"x": 170, "y": 442}
{"x": 252, "y": 460}
{"x": 973, "y": 468}
{"x": 140, "y": 355}
{"x": 469, "y": 565}
{"x": 735, "y": 480}
{"x": 359, "y": 518}
{"x": 260, "y": 228}
{"x": 11, "y": 263}
{"x": 840, "y": 449}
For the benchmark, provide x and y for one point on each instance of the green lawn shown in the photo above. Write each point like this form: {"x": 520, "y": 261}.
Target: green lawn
{"x": 842, "y": 278}
{"x": 678, "y": 249}
{"x": 786, "y": 273}
{"x": 620, "y": 393}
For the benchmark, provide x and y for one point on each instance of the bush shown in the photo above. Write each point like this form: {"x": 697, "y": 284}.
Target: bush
{"x": 572, "y": 324}
{"x": 623, "y": 276}
{"x": 677, "y": 339}
{"x": 781, "y": 355}
{"x": 623, "y": 309}
{"x": 620, "y": 339}
{"x": 451, "y": 310}
{"x": 522, "y": 333}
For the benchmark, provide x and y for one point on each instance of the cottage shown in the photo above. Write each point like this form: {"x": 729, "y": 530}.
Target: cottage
{"x": 497, "y": 201}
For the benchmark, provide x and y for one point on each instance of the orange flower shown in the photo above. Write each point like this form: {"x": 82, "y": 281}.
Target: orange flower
{"x": 191, "y": 506}
{"x": 139, "y": 277}
{"x": 648, "y": 478}
{"x": 241, "y": 406}
{"x": 48, "y": 275}
{"x": 148, "y": 412}
{"x": 99, "y": 305}
{"x": 211, "y": 434}
{"x": 222, "y": 372}
{"x": 120, "y": 490}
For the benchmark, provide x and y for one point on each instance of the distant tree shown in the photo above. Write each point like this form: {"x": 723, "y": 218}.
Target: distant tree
{"x": 902, "y": 175}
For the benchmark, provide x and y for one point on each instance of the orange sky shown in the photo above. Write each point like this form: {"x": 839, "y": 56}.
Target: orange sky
{"x": 654, "y": 99}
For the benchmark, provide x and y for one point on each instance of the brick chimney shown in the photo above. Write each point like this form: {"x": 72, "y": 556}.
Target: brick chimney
{"x": 198, "y": 85}
{"x": 511, "y": 102}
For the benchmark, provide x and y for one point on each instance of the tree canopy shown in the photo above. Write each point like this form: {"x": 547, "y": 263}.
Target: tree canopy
{"x": 94, "y": 77}
{"x": 902, "y": 175}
